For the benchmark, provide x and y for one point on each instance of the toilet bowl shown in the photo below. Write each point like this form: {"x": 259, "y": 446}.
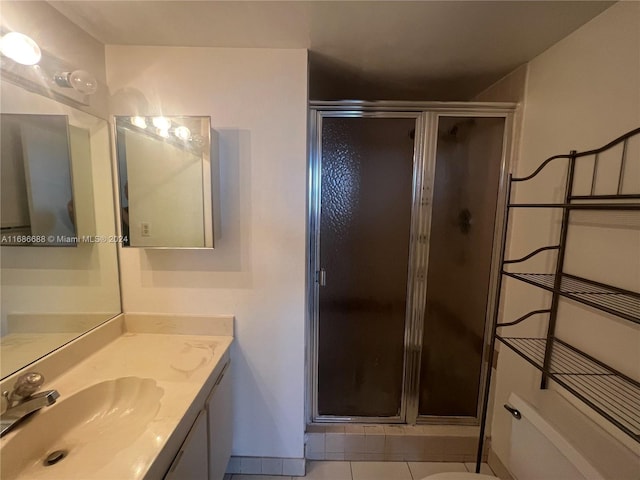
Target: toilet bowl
{"x": 460, "y": 476}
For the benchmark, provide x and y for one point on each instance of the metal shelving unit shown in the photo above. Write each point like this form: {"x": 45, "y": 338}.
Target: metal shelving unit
{"x": 607, "y": 391}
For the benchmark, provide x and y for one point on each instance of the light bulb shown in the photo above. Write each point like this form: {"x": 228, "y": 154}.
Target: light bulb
{"x": 83, "y": 82}
{"x": 140, "y": 122}
{"x": 163, "y": 132}
{"x": 183, "y": 133}
{"x": 80, "y": 80}
{"x": 163, "y": 123}
{"x": 20, "y": 48}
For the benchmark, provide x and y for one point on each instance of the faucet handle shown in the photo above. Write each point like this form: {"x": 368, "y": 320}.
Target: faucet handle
{"x": 26, "y": 385}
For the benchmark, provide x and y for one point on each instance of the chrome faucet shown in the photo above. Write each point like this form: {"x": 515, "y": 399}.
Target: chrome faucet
{"x": 23, "y": 401}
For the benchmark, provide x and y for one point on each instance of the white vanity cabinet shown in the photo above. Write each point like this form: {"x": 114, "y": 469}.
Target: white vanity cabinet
{"x": 205, "y": 452}
{"x": 191, "y": 462}
{"x": 219, "y": 417}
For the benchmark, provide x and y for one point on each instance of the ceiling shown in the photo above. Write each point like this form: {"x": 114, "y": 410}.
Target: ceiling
{"x": 396, "y": 50}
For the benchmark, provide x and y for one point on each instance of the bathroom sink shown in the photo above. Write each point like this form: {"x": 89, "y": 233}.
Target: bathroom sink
{"x": 81, "y": 434}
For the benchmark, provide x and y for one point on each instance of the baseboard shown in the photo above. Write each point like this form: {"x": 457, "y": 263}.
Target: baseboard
{"x": 294, "y": 467}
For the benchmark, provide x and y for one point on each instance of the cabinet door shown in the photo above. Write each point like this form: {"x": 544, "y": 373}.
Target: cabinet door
{"x": 219, "y": 412}
{"x": 191, "y": 463}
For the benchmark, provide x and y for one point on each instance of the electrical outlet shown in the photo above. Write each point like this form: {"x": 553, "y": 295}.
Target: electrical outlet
{"x": 145, "y": 229}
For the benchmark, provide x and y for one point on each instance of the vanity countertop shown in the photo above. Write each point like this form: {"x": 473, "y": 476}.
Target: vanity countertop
{"x": 181, "y": 368}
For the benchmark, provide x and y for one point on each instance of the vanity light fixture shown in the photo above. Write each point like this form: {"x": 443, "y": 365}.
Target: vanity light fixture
{"x": 24, "y": 64}
{"x": 20, "y": 48}
{"x": 80, "y": 80}
{"x": 164, "y": 127}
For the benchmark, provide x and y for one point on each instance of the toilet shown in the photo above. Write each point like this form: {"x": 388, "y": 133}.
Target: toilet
{"x": 553, "y": 440}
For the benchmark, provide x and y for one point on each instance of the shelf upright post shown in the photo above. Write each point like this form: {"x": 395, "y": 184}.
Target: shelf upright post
{"x": 557, "y": 282}
{"x": 494, "y": 327}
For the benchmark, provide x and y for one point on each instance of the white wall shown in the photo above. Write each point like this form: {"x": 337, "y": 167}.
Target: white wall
{"x": 580, "y": 94}
{"x": 257, "y": 100}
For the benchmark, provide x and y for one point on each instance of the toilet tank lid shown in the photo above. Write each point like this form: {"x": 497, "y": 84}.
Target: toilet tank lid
{"x": 592, "y": 450}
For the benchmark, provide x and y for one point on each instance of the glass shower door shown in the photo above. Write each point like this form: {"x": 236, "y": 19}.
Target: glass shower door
{"x": 365, "y": 219}
{"x": 469, "y": 153}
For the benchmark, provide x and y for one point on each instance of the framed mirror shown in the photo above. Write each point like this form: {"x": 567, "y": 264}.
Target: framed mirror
{"x": 165, "y": 179}
{"x": 51, "y": 296}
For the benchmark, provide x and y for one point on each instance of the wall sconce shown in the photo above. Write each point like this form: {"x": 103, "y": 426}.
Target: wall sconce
{"x": 24, "y": 64}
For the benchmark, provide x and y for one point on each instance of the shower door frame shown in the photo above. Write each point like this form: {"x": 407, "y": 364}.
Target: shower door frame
{"x": 425, "y": 144}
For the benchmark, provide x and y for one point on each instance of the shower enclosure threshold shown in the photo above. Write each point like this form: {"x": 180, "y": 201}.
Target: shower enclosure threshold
{"x": 413, "y": 443}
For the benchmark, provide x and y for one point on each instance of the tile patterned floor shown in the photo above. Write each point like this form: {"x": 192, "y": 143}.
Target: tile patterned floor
{"x": 327, "y": 470}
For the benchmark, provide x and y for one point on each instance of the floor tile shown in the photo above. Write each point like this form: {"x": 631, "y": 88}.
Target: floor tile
{"x": 420, "y": 470}
{"x": 258, "y": 477}
{"x": 484, "y": 468}
{"x": 328, "y": 471}
{"x": 380, "y": 471}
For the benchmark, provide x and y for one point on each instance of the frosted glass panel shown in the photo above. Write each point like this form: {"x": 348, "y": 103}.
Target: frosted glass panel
{"x": 468, "y": 156}
{"x": 366, "y": 195}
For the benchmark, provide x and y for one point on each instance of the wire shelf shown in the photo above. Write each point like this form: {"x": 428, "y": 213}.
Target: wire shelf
{"x": 619, "y": 302}
{"x": 609, "y": 392}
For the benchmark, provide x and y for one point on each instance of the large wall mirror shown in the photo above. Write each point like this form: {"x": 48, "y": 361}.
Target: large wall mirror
{"x": 52, "y": 295}
{"x": 165, "y": 170}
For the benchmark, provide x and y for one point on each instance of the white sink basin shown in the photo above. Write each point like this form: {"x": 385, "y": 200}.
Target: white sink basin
{"x": 89, "y": 428}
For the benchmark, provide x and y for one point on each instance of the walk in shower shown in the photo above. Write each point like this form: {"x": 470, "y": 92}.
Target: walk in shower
{"x": 403, "y": 214}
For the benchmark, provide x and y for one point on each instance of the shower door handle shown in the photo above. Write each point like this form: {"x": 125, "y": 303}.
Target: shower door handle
{"x": 322, "y": 277}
